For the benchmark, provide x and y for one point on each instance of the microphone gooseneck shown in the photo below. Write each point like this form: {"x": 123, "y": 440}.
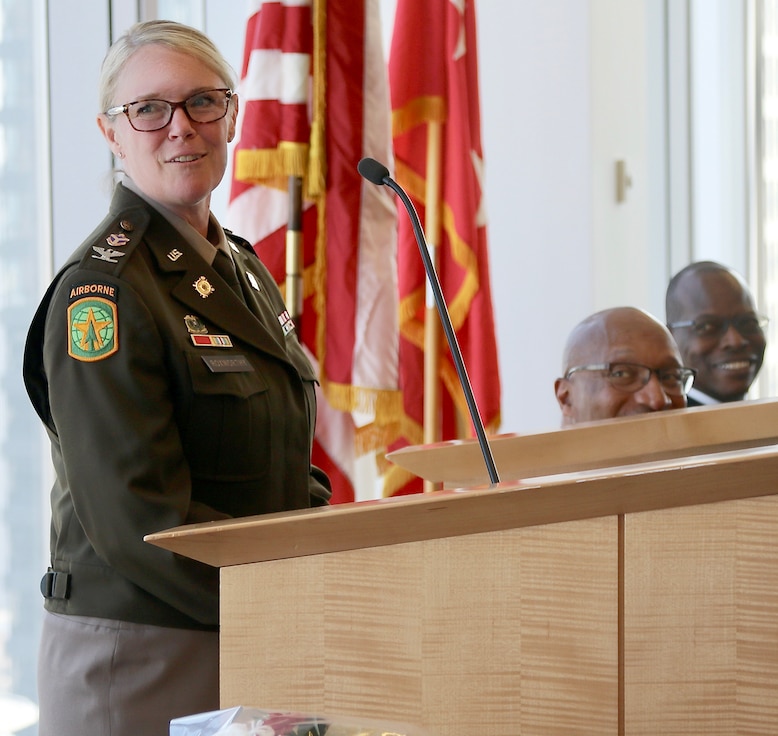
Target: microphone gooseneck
{"x": 377, "y": 173}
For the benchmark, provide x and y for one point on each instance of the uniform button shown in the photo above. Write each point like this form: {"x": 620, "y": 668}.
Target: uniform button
{"x": 127, "y": 226}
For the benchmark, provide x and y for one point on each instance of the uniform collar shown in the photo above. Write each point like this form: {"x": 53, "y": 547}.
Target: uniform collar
{"x": 202, "y": 246}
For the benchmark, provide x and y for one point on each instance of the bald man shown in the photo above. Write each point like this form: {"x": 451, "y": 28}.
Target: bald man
{"x": 620, "y": 362}
{"x": 710, "y": 311}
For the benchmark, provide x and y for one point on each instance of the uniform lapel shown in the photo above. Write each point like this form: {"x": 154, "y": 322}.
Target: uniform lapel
{"x": 255, "y": 295}
{"x": 219, "y": 304}
{"x": 203, "y": 290}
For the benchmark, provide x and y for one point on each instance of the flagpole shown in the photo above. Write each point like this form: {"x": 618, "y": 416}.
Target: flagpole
{"x": 432, "y": 419}
{"x": 294, "y": 251}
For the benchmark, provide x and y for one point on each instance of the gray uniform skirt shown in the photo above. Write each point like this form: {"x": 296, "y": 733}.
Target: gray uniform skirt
{"x": 98, "y": 677}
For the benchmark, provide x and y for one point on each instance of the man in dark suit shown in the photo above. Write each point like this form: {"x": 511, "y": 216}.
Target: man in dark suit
{"x": 710, "y": 311}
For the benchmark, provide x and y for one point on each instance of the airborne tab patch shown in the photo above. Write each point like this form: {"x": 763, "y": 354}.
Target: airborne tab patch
{"x": 93, "y": 324}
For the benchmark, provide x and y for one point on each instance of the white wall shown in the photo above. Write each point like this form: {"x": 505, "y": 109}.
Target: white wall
{"x": 534, "y": 62}
{"x": 629, "y": 256}
{"x": 718, "y": 113}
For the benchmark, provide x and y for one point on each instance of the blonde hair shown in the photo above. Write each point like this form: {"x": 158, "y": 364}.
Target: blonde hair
{"x": 175, "y": 36}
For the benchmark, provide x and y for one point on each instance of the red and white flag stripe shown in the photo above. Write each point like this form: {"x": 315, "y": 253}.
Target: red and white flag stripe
{"x": 310, "y": 110}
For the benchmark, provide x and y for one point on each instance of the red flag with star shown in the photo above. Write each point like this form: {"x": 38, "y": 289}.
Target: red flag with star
{"x": 433, "y": 77}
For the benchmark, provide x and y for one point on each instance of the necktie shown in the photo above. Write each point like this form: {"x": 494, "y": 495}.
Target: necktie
{"x": 224, "y": 266}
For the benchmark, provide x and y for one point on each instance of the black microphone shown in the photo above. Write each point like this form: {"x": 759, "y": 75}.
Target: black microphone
{"x": 377, "y": 173}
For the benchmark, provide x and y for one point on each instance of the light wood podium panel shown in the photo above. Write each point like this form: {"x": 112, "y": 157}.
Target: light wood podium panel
{"x": 489, "y": 634}
{"x": 701, "y": 619}
{"x": 633, "y": 599}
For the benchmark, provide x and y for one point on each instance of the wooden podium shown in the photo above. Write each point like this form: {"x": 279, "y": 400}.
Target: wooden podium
{"x": 636, "y": 592}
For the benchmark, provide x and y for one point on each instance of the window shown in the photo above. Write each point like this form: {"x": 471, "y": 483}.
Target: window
{"x": 25, "y": 267}
{"x": 53, "y": 171}
{"x": 766, "y": 114}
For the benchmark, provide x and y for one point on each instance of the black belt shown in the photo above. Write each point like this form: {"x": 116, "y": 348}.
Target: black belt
{"x": 55, "y": 584}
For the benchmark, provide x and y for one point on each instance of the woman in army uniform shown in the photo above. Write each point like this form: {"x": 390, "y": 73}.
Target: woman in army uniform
{"x": 174, "y": 390}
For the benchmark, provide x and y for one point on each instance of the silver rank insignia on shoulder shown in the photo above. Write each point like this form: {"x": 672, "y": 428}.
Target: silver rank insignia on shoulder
{"x": 252, "y": 280}
{"x": 203, "y": 287}
{"x": 107, "y": 254}
{"x": 286, "y": 322}
{"x": 194, "y": 325}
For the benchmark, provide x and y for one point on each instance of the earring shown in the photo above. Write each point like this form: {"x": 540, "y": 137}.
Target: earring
{"x": 119, "y": 154}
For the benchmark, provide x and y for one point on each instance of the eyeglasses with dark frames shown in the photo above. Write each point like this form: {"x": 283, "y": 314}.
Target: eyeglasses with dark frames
{"x": 146, "y": 116}
{"x": 631, "y": 377}
{"x": 748, "y": 325}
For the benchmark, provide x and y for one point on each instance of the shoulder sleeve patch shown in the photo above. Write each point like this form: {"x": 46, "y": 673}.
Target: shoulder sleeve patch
{"x": 93, "y": 321}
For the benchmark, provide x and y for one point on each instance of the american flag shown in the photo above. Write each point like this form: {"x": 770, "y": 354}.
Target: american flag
{"x": 314, "y": 101}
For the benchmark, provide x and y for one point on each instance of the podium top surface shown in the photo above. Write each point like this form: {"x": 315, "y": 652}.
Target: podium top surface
{"x": 648, "y": 476}
{"x": 623, "y": 441}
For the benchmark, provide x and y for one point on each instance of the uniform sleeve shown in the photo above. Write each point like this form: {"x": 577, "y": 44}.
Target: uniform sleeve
{"x": 319, "y": 487}
{"x": 125, "y": 469}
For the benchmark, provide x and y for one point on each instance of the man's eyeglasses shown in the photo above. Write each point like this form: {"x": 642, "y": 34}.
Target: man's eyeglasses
{"x": 748, "y": 325}
{"x": 147, "y": 116}
{"x": 631, "y": 377}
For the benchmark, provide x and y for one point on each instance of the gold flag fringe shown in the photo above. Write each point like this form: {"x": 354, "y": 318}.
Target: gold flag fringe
{"x": 316, "y": 181}
{"x": 396, "y": 478}
{"x": 272, "y": 166}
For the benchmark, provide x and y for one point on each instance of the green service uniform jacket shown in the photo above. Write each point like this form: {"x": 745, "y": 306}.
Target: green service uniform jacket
{"x": 168, "y": 400}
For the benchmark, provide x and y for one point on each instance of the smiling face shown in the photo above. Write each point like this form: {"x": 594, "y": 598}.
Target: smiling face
{"x": 181, "y": 164}
{"x": 620, "y": 335}
{"x": 726, "y": 364}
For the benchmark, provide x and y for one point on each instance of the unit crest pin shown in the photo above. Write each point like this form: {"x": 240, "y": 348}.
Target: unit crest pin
{"x": 194, "y": 325}
{"x": 203, "y": 287}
